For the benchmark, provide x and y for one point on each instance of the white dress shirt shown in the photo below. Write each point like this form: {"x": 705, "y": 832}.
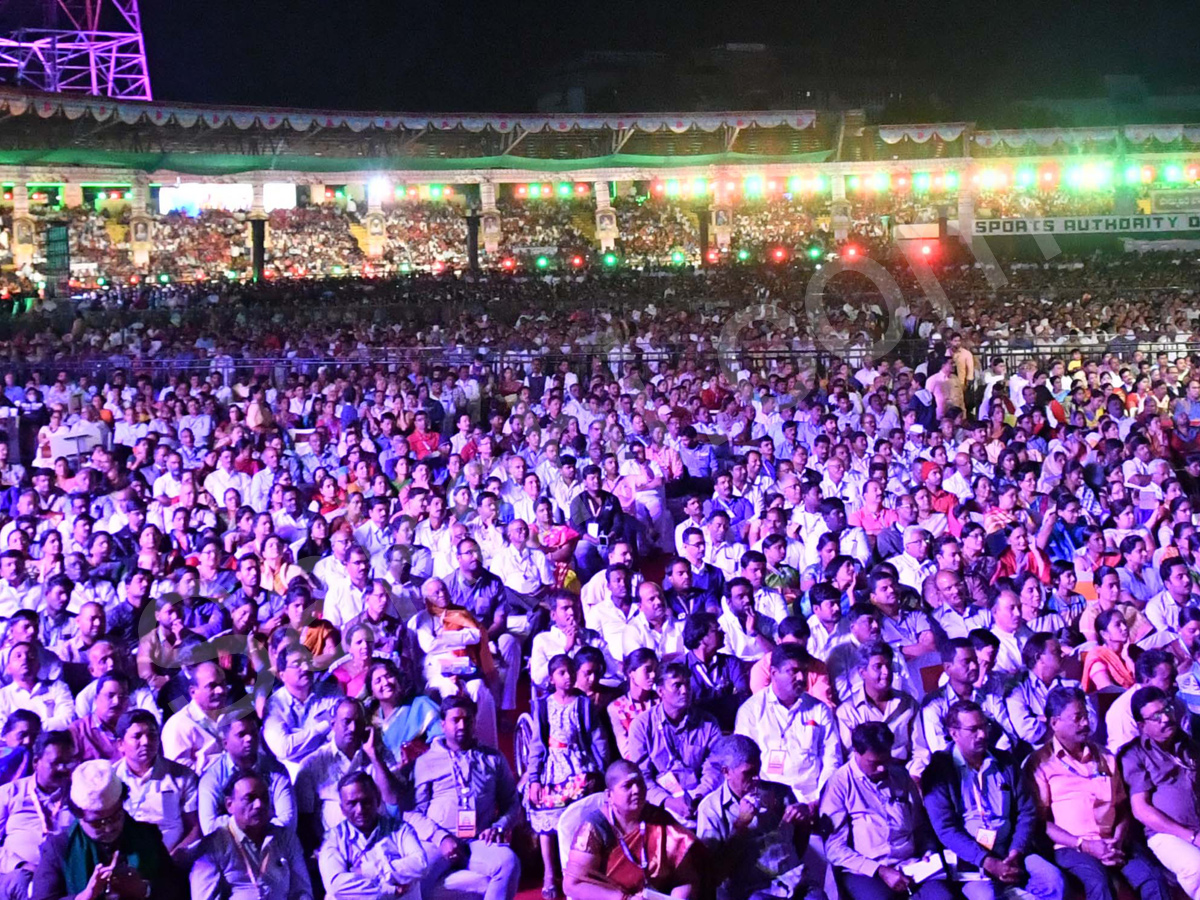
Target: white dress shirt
{"x": 800, "y": 746}
{"x": 667, "y": 642}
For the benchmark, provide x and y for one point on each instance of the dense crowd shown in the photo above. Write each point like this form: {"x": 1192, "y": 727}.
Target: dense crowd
{"x": 421, "y": 233}
{"x": 541, "y": 226}
{"x": 657, "y": 230}
{"x": 364, "y": 589}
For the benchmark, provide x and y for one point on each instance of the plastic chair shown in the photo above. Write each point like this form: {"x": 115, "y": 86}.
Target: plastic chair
{"x": 568, "y": 822}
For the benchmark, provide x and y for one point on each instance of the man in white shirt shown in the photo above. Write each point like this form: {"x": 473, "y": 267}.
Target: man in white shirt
{"x": 298, "y": 718}
{"x": 192, "y": 736}
{"x": 654, "y": 626}
{"x": 567, "y": 635}
{"x": 224, "y": 478}
{"x": 373, "y": 535}
{"x": 170, "y": 483}
{"x": 522, "y": 569}
{"x": 51, "y": 700}
{"x": 914, "y": 565}
{"x": 748, "y": 635}
{"x": 795, "y": 732}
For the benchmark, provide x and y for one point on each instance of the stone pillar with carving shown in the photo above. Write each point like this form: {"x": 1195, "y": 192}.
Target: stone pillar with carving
{"x": 491, "y": 227}
{"x": 606, "y": 217}
{"x": 141, "y": 226}
{"x": 373, "y": 221}
{"x": 24, "y": 228}
{"x": 72, "y": 195}
{"x": 721, "y": 223}
{"x": 839, "y": 208}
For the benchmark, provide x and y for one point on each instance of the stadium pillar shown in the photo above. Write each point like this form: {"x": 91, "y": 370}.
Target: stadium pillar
{"x": 839, "y": 208}
{"x": 473, "y": 240}
{"x": 489, "y": 217}
{"x": 966, "y": 215}
{"x": 141, "y": 226}
{"x": 72, "y": 195}
{"x": 23, "y": 227}
{"x": 258, "y": 252}
{"x": 606, "y": 218}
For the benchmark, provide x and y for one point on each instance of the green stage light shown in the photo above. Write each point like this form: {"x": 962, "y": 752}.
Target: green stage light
{"x": 820, "y": 184}
{"x": 814, "y": 252}
{"x": 1133, "y": 174}
{"x": 164, "y": 278}
{"x": 699, "y": 186}
{"x": 951, "y": 181}
{"x": 795, "y": 184}
{"x": 405, "y": 268}
{"x": 1174, "y": 173}
{"x": 610, "y": 259}
{"x": 101, "y": 282}
{"x": 743, "y": 255}
{"x": 677, "y": 257}
{"x": 542, "y": 262}
{"x": 922, "y": 181}
{"x": 853, "y": 182}
{"x": 564, "y": 190}
{"x": 673, "y": 188}
{"x": 1025, "y": 178}
{"x": 880, "y": 181}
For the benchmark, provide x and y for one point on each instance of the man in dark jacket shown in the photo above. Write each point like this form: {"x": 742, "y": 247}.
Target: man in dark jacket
{"x": 107, "y": 852}
{"x": 982, "y": 810}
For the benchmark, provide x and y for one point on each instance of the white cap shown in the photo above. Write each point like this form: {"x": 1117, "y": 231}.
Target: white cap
{"x": 95, "y": 786}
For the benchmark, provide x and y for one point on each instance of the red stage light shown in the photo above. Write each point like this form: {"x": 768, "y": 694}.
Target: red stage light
{"x": 522, "y": 190}
{"x": 850, "y": 252}
{"x": 779, "y": 253}
{"x": 577, "y": 261}
{"x": 926, "y": 250}
{"x": 713, "y": 256}
{"x": 438, "y": 267}
{"x": 508, "y": 263}
{"x": 581, "y": 188}
{"x": 659, "y": 187}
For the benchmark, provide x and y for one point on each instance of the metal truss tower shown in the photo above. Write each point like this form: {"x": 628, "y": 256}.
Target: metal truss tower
{"x": 79, "y": 46}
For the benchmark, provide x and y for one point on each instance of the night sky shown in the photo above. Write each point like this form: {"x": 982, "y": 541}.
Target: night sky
{"x": 460, "y": 55}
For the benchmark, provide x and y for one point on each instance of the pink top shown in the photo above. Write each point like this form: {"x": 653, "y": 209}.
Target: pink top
{"x": 1081, "y": 795}
{"x": 872, "y": 523}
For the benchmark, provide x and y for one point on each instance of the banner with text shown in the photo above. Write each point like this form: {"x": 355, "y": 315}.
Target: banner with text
{"x": 1089, "y": 225}
{"x": 1175, "y": 201}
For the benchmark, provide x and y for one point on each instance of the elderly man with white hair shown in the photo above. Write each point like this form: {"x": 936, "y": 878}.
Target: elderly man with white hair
{"x": 106, "y": 852}
{"x": 914, "y": 565}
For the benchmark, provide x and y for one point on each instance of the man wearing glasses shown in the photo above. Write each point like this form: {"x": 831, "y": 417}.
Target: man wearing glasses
{"x": 1159, "y": 766}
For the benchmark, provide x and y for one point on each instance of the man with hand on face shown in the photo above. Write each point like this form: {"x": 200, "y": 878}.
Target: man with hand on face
{"x": 354, "y": 746}
{"x": 369, "y": 855}
{"x": 981, "y": 809}
{"x": 467, "y": 801}
{"x": 249, "y": 858}
{"x": 747, "y": 825}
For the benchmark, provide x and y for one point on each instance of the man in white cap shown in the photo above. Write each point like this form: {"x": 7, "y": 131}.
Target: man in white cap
{"x": 249, "y": 858}
{"x": 105, "y": 853}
